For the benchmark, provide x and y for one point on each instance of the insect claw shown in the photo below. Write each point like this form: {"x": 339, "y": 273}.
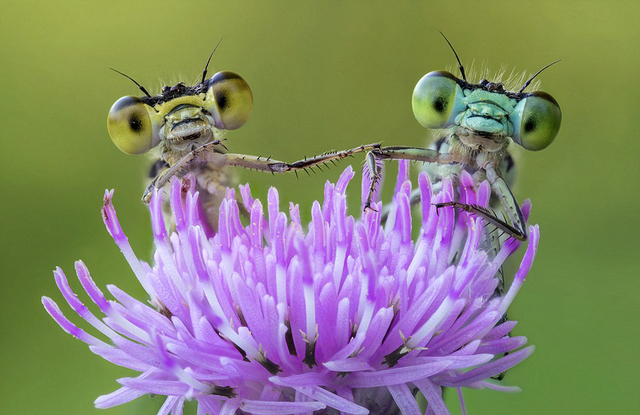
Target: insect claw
{"x": 367, "y": 206}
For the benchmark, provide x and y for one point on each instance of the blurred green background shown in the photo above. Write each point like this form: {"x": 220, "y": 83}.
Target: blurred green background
{"x": 324, "y": 76}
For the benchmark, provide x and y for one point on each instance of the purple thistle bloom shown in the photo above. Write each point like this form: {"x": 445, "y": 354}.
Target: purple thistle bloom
{"x": 346, "y": 317}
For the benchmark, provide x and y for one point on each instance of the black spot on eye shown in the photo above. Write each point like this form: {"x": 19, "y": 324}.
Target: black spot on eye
{"x": 221, "y": 99}
{"x": 440, "y": 104}
{"x": 529, "y": 125}
{"x": 135, "y": 123}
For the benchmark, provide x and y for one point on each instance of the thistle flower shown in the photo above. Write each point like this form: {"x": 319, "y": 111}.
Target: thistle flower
{"x": 270, "y": 318}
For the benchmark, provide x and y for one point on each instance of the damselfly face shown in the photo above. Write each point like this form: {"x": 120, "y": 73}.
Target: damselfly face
{"x": 479, "y": 121}
{"x": 186, "y": 124}
{"x": 484, "y": 115}
{"x": 180, "y": 117}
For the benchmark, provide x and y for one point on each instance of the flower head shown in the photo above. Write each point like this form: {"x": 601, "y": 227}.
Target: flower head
{"x": 274, "y": 318}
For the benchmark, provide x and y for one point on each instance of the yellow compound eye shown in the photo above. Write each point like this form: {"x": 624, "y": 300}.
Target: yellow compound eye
{"x": 130, "y": 126}
{"x": 229, "y": 99}
{"x": 539, "y": 119}
{"x": 434, "y": 98}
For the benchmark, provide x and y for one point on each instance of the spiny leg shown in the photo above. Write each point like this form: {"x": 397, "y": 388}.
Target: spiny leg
{"x": 374, "y": 172}
{"x": 508, "y": 201}
{"x": 400, "y": 153}
{"x": 165, "y": 175}
{"x": 487, "y": 215}
{"x": 266, "y": 164}
{"x": 516, "y": 228}
{"x": 329, "y": 157}
{"x": 276, "y": 166}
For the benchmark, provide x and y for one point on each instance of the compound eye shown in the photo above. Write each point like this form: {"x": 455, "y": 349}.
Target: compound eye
{"x": 130, "y": 127}
{"x": 229, "y": 99}
{"x": 539, "y": 122}
{"x": 433, "y": 99}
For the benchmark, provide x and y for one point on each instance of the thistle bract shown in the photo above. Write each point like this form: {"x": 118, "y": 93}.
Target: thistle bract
{"x": 342, "y": 316}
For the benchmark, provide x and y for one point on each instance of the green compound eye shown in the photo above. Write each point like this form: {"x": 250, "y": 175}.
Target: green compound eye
{"x": 229, "y": 99}
{"x": 130, "y": 126}
{"x": 433, "y": 99}
{"x": 539, "y": 118}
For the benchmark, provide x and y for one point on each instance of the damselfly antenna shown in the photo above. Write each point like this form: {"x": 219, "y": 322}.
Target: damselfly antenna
{"x": 454, "y": 52}
{"x": 526, "y": 84}
{"x": 134, "y": 81}
{"x": 204, "y": 73}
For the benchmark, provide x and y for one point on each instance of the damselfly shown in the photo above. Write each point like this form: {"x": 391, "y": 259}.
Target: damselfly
{"x": 478, "y": 122}
{"x": 186, "y": 124}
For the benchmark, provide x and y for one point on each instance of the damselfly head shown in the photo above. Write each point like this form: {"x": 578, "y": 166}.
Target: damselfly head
{"x": 181, "y": 115}
{"x": 486, "y": 109}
